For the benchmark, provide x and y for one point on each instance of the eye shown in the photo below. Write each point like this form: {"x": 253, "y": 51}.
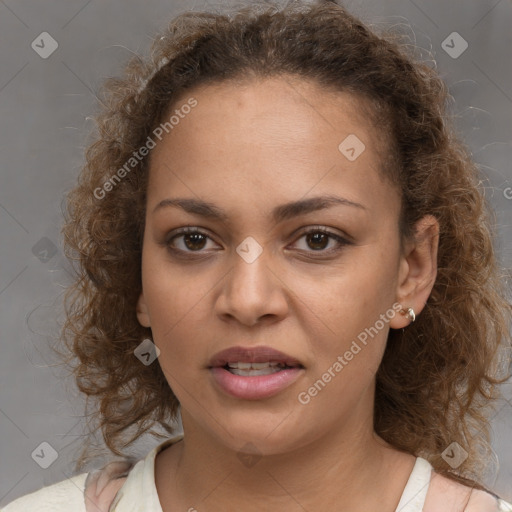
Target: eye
{"x": 317, "y": 239}
{"x": 192, "y": 240}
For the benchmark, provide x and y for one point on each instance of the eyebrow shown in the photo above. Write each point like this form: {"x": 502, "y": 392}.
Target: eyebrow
{"x": 279, "y": 213}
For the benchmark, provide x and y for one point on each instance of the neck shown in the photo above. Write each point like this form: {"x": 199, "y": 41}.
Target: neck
{"x": 349, "y": 465}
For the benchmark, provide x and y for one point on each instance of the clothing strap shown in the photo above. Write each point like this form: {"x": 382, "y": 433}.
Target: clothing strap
{"x": 415, "y": 492}
{"x": 102, "y": 486}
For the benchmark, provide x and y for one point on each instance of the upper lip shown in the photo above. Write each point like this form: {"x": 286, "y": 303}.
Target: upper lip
{"x": 260, "y": 354}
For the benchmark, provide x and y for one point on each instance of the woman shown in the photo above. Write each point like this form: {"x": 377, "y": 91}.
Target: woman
{"x": 280, "y": 238}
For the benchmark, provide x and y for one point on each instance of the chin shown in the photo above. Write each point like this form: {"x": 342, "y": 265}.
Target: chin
{"x": 261, "y": 433}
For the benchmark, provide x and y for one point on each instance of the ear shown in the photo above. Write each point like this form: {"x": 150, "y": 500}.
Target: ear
{"x": 142, "y": 311}
{"x": 417, "y": 269}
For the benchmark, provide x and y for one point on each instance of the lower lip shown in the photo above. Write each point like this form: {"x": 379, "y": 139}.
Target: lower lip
{"x": 254, "y": 388}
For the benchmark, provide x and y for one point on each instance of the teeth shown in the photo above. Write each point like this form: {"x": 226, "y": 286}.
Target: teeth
{"x": 255, "y": 366}
{"x": 254, "y": 369}
{"x": 255, "y": 373}
{"x": 260, "y": 366}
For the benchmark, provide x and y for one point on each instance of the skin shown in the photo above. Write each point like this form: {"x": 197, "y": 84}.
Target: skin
{"x": 249, "y": 148}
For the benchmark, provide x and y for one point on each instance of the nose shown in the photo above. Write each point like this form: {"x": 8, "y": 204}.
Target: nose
{"x": 252, "y": 292}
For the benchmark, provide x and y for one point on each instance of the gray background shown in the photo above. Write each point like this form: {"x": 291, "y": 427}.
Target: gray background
{"x": 44, "y": 104}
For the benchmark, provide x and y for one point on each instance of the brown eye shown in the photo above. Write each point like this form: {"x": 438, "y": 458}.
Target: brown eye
{"x": 194, "y": 241}
{"x": 318, "y": 239}
{"x": 188, "y": 240}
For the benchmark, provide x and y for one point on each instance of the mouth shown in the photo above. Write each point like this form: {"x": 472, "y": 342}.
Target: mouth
{"x": 248, "y": 361}
{"x": 254, "y": 373}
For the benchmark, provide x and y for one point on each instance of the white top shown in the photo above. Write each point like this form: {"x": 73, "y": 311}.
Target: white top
{"x": 415, "y": 491}
{"x": 137, "y": 491}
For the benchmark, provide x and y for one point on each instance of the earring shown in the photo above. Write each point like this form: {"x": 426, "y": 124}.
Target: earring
{"x": 409, "y": 314}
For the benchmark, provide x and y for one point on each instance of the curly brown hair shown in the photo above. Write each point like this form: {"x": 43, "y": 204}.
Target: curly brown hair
{"x": 437, "y": 377}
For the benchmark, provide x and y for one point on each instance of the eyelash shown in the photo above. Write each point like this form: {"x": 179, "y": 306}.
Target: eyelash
{"x": 316, "y": 229}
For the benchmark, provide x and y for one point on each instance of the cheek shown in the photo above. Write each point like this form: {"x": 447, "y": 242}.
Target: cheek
{"x": 344, "y": 313}
{"x": 175, "y": 301}
{"x": 355, "y": 292}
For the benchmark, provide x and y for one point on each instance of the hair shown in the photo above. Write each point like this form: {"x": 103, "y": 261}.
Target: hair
{"x": 439, "y": 375}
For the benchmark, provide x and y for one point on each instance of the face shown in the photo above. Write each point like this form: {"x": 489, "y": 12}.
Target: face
{"x": 307, "y": 280}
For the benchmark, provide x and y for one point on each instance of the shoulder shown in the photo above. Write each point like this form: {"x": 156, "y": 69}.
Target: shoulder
{"x": 86, "y": 492}
{"x": 89, "y": 492}
{"x": 450, "y": 496}
{"x": 61, "y": 496}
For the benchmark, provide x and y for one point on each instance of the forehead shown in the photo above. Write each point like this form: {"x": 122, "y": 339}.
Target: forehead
{"x": 299, "y": 112}
{"x": 264, "y": 135}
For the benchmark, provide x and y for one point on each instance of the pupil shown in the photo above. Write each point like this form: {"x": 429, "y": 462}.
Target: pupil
{"x": 195, "y": 237}
{"x": 315, "y": 236}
